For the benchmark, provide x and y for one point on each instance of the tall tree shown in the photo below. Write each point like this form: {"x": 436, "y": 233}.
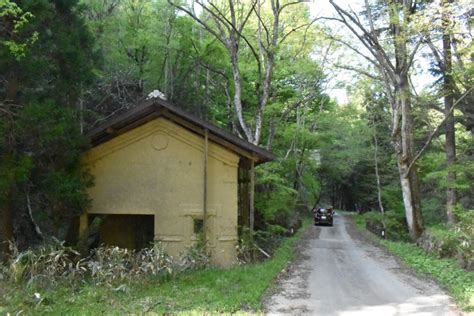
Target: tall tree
{"x": 227, "y": 22}
{"x": 394, "y": 73}
{"x": 447, "y": 25}
{"x": 40, "y": 154}
{"x": 450, "y": 142}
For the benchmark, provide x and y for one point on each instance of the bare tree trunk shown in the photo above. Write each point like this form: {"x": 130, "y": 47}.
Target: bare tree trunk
{"x": 377, "y": 175}
{"x": 450, "y": 143}
{"x": 238, "y": 95}
{"x": 207, "y": 97}
{"x": 402, "y": 132}
{"x": 404, "y": 145}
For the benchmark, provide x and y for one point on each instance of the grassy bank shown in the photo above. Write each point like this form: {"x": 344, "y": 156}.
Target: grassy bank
{"x": 447, "y": 272}
{"x": 458, "y": 282}
{"x": 231, "y": 290}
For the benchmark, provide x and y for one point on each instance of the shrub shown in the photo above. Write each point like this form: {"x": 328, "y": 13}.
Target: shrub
{"x": 452, "y": 241}
{"x": 46, "y": 264}
{"x": 395, "y": 224}
{"x": 155, "y": 261}
{"x": 465, "y": 230}
{"x": 195, "y": 256}
{"x": 275, "y": 198}
{"x": 257, "y": 246}
{"x": 109, "y": 265}
{"x": 52, "y": 263}
{"x": 247, "y": 251}
{"x": 440, "y": 241}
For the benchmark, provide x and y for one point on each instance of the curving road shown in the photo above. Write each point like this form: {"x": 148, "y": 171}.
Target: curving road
{"x": 338, "y": 273}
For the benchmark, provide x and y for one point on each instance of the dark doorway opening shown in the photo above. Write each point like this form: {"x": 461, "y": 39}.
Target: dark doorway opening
{"x": 243, "y": 194}
{"x": 127, "y": 231}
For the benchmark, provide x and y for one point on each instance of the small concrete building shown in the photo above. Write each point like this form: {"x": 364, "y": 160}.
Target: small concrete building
{"x": 163, "y": 174}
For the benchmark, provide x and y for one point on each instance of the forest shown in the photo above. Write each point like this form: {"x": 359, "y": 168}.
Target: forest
{"x": 368, "y": 108}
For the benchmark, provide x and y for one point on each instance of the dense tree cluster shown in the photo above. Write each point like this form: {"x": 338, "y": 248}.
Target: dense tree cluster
{"x": 259, "y": 69}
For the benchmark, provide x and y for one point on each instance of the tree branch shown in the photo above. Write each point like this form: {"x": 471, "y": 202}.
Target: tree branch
{"x": 30, "y": 213}
{"x": 202, "y": 23}
{"x": 351, "y": 47}
{"x": 297, "y": 28}
{"x": 430, "y": 138}
{"x": 360, "y": 71}
{"x": 376, "y": 49}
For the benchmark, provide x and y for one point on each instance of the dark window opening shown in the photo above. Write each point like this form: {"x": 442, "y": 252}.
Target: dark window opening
{"x": 198, "y": 225}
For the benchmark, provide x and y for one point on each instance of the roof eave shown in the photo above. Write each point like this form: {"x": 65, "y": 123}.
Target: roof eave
{"x": 154, "y": 108}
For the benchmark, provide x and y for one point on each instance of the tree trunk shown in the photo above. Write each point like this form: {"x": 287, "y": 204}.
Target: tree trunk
{"x": 450, "y": 143}
{"x": 377, "y": 175}
{"x": 7, "y": 159}
{"x": 6, "y": 224}
{"x": 238, "y": 94}
{"x": 411, "y": 200}
{"x": 404, "y": 138}
{"x": 404, "y": 146}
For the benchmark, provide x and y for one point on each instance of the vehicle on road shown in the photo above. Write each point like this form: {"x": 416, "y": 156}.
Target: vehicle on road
{"x": 323, "y": 216}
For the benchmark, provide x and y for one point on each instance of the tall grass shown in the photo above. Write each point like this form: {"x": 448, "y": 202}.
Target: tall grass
{"x": 212, "y": 290}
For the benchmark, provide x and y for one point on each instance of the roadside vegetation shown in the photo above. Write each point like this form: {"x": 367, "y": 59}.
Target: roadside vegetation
{"x": 263, "y": 70}
{"x": 239, "y": 288}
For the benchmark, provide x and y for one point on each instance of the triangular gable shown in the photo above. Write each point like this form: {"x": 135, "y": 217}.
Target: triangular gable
{"x": 151, "y": 109}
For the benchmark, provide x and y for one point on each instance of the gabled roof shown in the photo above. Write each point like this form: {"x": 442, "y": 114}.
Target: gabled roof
{"x": 153, "y": 108}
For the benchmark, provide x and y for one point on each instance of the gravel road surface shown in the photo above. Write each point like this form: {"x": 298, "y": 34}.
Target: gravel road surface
{"x": 338, "y": 272}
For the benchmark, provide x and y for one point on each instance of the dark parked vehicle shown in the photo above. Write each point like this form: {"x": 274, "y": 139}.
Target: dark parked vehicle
{"x": 323, "y": 216}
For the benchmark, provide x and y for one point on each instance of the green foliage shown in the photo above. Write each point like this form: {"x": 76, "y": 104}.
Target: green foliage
{"x": 59, "y": 58}
{"x": 278, "y": 199}
{"x": 360, "y": 222}
{"x": 440, "y": 241}
{"x": 41, "y": 143}
{"x": 17, "y": 47}
{"x": 392, "y": 197}
{"x": 56, "y": 183}
{"x": 196, "y": 256}
{"x": 347, "y": 166}
{"x": 395, "y": 224}
{"x": 459, "y": 282}
{"x": 239, "y": 288}
{"x": 454, "y": 241}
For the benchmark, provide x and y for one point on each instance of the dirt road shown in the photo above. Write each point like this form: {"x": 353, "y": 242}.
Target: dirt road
{"x": 340, "y": 273}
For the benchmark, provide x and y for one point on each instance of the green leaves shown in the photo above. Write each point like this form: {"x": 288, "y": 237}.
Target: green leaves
{"x": 46, "y": 167}
{"x": 275, "y": 196}
{"x": 16, "y": 45}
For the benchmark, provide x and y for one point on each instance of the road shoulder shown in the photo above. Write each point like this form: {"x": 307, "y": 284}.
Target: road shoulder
{"x": 423, "y": 283}
{"x": 292, "y": 282}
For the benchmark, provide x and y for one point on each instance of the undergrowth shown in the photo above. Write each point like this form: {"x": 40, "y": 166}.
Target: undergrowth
{"x": 211, "y": 290}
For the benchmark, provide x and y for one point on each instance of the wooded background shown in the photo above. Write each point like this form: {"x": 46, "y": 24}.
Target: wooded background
{"x": 261, "y": 69}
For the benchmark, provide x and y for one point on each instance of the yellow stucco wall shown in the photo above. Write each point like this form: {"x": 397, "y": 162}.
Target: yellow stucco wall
{"x": 158, "y": 169}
